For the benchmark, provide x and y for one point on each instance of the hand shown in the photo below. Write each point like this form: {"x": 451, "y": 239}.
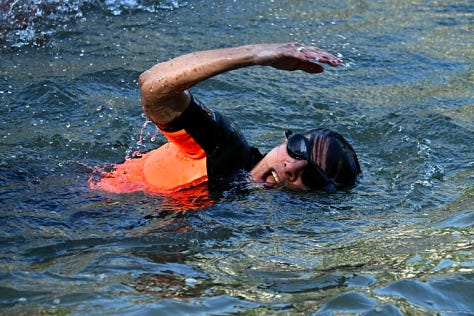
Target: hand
{"x": 294, "y": 56}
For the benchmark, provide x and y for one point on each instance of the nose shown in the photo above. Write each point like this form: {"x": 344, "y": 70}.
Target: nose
{"x": 294, "y": 169}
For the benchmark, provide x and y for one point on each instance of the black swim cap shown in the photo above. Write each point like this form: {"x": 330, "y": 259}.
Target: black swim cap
{"x": 335, "y": 156}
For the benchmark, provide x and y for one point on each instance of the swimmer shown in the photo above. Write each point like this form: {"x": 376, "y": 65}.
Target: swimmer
{"x": 204, "y": 146}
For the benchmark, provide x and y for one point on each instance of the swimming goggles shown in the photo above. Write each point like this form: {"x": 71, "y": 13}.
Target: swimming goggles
{"x": 299, "y": 147}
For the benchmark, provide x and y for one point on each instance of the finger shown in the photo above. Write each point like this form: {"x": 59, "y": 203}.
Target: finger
{"x": 327, "y": 58}
{"x": 314, "y": 54}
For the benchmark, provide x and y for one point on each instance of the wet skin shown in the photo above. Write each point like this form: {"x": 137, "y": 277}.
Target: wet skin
{"x": 278, "y": 169}
{"x": 164, "y": 92}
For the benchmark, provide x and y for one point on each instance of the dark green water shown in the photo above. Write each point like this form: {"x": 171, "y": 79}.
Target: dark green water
{"x": 400, "y": 243}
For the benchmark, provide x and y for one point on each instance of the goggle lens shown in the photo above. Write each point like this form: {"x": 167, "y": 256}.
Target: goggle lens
{"x": 297, "y": 146}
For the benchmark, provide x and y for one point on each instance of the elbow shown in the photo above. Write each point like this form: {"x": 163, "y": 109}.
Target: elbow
{"x": 153, "y": 97}
{"x": 153, "y": 88}
{"x": 161, "y": 100}
{"x": 147, "y": 93}
{"x": 145, "y": 81}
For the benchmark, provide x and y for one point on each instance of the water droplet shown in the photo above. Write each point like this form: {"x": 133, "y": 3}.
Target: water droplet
{"x": 191, "y": 282}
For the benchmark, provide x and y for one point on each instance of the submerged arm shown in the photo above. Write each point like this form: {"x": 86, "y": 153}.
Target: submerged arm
{"x": 164, "y": 87}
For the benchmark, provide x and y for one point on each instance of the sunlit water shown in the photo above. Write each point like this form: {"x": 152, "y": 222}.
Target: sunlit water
{"x": 399, "y": 243}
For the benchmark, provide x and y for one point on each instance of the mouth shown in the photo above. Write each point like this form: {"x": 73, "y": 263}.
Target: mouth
{"x": 271, "y": 178}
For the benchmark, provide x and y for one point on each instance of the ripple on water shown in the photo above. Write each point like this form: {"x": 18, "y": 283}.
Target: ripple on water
{"x": 400, "y": 242}
{"x": 451, "y": 294}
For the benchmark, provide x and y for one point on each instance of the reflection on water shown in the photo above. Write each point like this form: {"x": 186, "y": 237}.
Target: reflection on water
{"x": 399, "y": 243}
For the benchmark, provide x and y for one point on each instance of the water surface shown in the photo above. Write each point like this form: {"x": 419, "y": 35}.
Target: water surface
{"x": 399, "y": 243}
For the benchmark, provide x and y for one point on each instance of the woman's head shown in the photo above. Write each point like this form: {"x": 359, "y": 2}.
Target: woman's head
{"x": 333, "y": 154}
{"x": 318, "y": 159}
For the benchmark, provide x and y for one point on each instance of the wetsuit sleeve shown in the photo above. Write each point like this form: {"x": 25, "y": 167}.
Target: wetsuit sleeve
{"x": 226, "y": 148}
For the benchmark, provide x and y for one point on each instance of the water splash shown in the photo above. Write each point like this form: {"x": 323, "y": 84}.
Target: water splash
{"x": 147, "y": 131}
{"x": 117, "y": 7}
{"x": 32, "y": 22}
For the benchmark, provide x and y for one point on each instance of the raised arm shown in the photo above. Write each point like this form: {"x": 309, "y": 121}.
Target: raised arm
{"x": 164, "y": 87}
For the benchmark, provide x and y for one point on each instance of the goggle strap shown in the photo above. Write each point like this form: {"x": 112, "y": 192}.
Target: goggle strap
{"x": 330, "y": 186}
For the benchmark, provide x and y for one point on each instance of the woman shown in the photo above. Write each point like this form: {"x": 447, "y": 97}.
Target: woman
{"x": 204, "y": 146}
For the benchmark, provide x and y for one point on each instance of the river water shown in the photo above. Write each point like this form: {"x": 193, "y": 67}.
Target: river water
{"x": 400, "y": 243}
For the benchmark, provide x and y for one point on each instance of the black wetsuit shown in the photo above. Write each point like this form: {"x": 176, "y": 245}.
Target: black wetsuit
{"x": 226, "y": 149}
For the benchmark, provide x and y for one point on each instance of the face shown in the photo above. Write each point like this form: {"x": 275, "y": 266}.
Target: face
{"x": 278, "y": 169}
